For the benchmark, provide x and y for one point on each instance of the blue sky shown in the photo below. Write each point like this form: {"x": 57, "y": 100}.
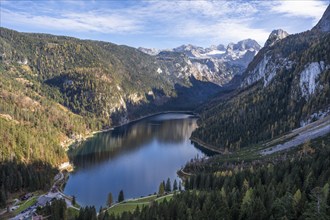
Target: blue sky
{"x": 162, "y": 24}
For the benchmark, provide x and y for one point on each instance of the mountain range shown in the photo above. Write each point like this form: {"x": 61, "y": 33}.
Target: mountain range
{"x": 217, "y": 64}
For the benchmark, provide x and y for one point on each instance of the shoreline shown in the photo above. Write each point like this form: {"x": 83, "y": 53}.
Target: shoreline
{"x": 91, "y": 134}
{"x": 150, "y": 115}
{"x": 206, "y": 146}
{"x": 72, "y": 143}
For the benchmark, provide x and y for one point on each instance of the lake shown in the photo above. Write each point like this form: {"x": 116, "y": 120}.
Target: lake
{"x": 134, "y": 158}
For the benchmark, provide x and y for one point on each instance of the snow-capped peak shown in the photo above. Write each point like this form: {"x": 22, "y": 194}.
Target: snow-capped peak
{"x": 231, "y": 52}
{"x": 216, "y": 63}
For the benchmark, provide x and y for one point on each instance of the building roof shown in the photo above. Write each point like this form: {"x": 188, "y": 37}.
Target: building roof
{"x": 42, "y": 200}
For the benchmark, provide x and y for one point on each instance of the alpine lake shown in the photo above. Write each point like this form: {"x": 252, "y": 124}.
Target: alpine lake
{"x": 134, "y": 158}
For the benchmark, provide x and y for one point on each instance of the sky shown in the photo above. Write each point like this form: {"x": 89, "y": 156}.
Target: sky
{"x": 162, "y": 24}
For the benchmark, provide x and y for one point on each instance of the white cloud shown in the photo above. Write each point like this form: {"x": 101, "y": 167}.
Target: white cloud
{"x": 208, "y": 21}
{"x": 229, "y": 30}
{"x": 191, "y": 9}
{"x": 166, "y": 18}
{"x": 79, "y": 22}
{"x": 216, "y": 21}
{"x": 312, "y": 9}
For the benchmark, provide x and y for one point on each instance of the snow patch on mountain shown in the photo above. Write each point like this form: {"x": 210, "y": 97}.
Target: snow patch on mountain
{"x": 215, "y": 53}
{"x": 217, "y": 64}
{"x": 309, "y": 78}
{"x": 220, "y": 63}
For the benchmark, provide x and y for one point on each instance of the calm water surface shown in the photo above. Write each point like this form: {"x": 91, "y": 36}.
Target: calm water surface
{"x": 133, "y": 158}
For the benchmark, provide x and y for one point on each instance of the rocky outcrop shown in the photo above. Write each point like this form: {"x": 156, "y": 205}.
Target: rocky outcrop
{"x": 275, "y": 36}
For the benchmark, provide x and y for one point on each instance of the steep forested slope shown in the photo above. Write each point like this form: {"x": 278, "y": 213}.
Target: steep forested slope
{"x": 283, "y": 86}
{"x": 33, "y": 131}
{"x": 54, "y": 87}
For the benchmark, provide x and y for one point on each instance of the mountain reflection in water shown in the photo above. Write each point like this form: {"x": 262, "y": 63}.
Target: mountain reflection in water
{"x": 134, "y": 158}
{"x": 166, "y": 128}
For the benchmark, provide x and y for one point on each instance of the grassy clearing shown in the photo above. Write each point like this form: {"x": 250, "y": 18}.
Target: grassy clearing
{"x": 17, "y": 195}
{"x": 26, "y": 204}
{"x": 167, "y": 197}
{"x": 126, "y": 207}
{"x": 130, "y": 205}
{"x": 143, "y": 199}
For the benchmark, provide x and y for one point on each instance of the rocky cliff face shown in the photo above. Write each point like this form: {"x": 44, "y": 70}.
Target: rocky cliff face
{"x": 309, "y": 82}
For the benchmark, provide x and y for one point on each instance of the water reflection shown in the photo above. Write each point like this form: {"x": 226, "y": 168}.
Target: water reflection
{"x": 166, "y": 128}
{"x": 133, "y": 158}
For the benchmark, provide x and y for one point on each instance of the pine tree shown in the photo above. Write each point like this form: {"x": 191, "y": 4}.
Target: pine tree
{"x": 175, "y": 185}
{"x": 161, "y": 189}
{"x": 180, "y": 186}
{"x": 110, "y": 199}
{"x": 121, "y": 196}
{"x": 168, "y": 185}
{"x": 73, "y": 200}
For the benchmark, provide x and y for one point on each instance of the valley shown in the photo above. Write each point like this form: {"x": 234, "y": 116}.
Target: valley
{"x": 192, "y": 132}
